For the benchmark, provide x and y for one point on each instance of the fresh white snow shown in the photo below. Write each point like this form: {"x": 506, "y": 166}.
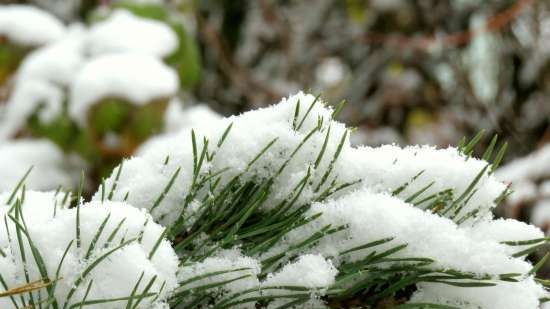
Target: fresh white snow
{"x": 382, "y": 169}
{"x": 51, "y": 168}
{"x": 134, "y": 77}
{"x": 58, "y": 62}
{"x": 27, "y": 98}
{"x": 29, "y": 26}
{"x": 122, "y": 32}
{"x": 113, "y": 277}
{"x": 367, "y": 208}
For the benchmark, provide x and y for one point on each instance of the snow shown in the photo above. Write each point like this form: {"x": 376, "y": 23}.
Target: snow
{"x": 523, "y": 191}
{"x": 178, "y": 117}
{"x": 41, "y": 81}
{"x": 534, "y": 166}
{"x": 134, "y": 77}
{"x": 311, "y": 271}
{"x": 367, "y": 208}
{"x": 178, "y": 121}
{"x": 128, "y": 263}
{"x": 232, "y": 261}
{"x": 528, "y": 177}
{"x": 506, "y": 230}
{"x": 51, "y": 168}
{"x": 541, "y": 213}
{"x": 523, "y": 295}
{"x": 382, "y": 169}
{"x": 373, "y": 216}
{"x": 29, "y": 26}
{"x": 388, "y": 167}
{"x": 27, "y": 98}
{"x": 122, "y": 32}
{"x": 57, "y": 62}
{"x": 37, "y": 214}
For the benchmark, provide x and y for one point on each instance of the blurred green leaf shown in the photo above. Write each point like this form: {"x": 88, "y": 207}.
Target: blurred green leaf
{"x": 186, "y": 59}
{"x": 146, "y": 10}
{"x": 110, "y": 115}
{"x": 10, "y": 57}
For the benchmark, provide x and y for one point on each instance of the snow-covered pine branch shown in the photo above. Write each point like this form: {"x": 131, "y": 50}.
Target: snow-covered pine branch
{"x": 283, "y": 182}
{"x": 98, "y": 255}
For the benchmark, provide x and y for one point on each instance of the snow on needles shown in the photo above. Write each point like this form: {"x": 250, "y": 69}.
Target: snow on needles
{"x": 29, "y": 26}
{"x": 133, "y": 77}
{"x": 123, "y": 31}
{"x": 373, "y": 217}
{"x": 382, "y": 169}
{"x": 112, "y": 252}
{"x": 375, "y": 193}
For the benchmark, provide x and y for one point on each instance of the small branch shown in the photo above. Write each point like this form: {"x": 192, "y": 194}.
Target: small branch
{"x": 494, "y": 24}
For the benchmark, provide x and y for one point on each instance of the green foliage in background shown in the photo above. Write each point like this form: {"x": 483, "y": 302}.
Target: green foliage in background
{"x": 186, "y": 59}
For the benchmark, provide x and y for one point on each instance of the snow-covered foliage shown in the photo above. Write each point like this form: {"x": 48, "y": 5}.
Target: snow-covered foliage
{"x": 284, "y": 183}
{"x": 123, "y": 32}
{"x": 383, "y": 169}
{"x": 98, "y": 255}
{"x": 239, "y": 273}
{"x": 27, "y": 98}
{"x": 50, "y": 167}
{"x": 120, "y": 57}
{"x": 57, "y": 62}
{"x": 133, "y": 77}
{"x": 28, "y": 26}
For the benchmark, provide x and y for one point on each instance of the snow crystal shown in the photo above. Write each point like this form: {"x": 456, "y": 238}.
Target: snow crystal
{"x": 136, "y": 78}
{"x": 128, "y": 263}
{"x": 28, "y": 25}
{"x": 51, "y": 168}
{"x": 122, "y": 31}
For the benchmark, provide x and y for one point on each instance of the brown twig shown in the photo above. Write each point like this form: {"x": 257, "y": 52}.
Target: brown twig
{"x": 450, "y": 40}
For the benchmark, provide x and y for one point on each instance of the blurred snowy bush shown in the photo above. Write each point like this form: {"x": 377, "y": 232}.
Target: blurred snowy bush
{"x": 98, "y": 90}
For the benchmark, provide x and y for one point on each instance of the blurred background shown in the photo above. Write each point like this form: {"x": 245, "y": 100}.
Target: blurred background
{"x": 84, "y": 83}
